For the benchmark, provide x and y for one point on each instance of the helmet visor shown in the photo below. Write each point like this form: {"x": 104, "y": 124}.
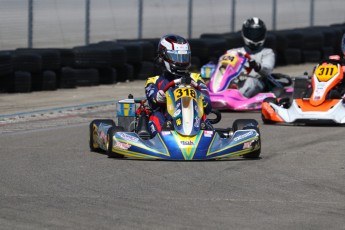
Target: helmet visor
{"x": 179, "y": 56}
{"x": 254, "y": 34}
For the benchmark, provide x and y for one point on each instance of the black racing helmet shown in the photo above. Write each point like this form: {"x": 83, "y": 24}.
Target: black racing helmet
{"x": 174, "y": 54}
{"x": 254, "y": 33}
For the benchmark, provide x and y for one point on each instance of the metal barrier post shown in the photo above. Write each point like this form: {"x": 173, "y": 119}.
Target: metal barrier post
{"x": 312, "y": 5}
{"x": 190, "y": 17}
{"x": 140, "y": 19}
{"x": 233, "y": 16}
{"x": 87, "y": 22}
{"x": 30, "y": 23}
{"x": 274, "y": 15}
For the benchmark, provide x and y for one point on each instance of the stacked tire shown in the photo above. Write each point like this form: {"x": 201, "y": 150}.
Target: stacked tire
{"x": 12, "y": 81}
{"x": 42, "y": 64}
{"x": 140, "y": 55}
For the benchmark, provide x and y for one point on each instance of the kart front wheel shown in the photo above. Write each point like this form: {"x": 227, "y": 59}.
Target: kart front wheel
{"x": 110, "y": 136}
{"x": 93, "y": 132}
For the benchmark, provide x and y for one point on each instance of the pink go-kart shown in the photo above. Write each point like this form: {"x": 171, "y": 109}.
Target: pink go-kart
{"x": 225, "y": 78}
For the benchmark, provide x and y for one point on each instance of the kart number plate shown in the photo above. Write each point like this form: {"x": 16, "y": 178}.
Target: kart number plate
{"x": 125, "y": 110}
{"x": 231, "y": 59}
{"x": 326, "y": 72}
{"x": 208, "y": 72}
{"x": 184, "y": 92}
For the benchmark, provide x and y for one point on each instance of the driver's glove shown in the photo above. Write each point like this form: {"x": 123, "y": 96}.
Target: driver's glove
{"x": 160, "y": 97}
{"x": 204, "y": 102}
{"x": 256, "y": 66}
{"x": 207, "y": 104}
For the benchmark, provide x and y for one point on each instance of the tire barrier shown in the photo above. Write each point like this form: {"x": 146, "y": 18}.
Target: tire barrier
{"x": 67, "y": 78}
{"x": 125, "y": 73}
{"x": 19, "y": 82}
{"x": 108, "y": 62}
{"x": 6, "y": 70}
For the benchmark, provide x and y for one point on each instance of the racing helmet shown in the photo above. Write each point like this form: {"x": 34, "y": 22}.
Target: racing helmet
{"x": 254, "y": 33}
{"x": 174, "y": 54}
{"x": 343, "y": 44}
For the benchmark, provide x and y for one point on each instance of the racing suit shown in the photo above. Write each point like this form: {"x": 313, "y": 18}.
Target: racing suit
{"x": 340, "y": 88}
{"x": 159, "y": 115}
{"x": 254, "y": 81}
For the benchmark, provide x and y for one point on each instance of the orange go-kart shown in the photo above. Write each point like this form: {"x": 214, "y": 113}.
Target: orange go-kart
{"x": 321, "y": 100}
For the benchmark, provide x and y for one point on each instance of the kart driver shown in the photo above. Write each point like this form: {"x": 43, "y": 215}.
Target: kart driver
{"x": 337, "y": 57}
{"x": 174, "y": 56}
{"x": 262, "y": 59}
{"x": 340, "y": 88}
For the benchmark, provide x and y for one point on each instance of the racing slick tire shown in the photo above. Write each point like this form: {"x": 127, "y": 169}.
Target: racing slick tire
{"x": 271, "y": 100}
{"x": 92, "y": 132}
{"x": 241, "y": 124}
{"x": 110, "y": 135}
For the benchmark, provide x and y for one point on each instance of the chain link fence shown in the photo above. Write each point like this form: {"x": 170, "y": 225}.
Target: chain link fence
{"x": 64, "y": 23}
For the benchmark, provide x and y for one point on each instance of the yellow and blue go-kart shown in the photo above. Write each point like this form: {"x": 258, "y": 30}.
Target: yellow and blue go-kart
{"x": 187, "y": 138}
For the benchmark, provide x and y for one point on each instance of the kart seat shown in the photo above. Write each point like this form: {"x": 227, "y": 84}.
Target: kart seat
{"x": 142, "y": 128}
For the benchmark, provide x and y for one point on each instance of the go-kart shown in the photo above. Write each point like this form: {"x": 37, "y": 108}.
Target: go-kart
{"x": 190, "y": 136}
{"x": 225, "y": 79}
{"x": 321, "y": 100}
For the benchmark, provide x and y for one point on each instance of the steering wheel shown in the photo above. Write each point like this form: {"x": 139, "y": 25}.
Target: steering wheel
{"x": 249, "y": 58}
{"x": 173, "y": 83}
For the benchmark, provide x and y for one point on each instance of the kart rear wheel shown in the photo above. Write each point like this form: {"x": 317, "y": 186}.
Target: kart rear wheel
{"x": 241, "y": 124}
{"x": 110, "y": 135}
{"x": 256, "y": 153}
{"x": 92, "y": 132}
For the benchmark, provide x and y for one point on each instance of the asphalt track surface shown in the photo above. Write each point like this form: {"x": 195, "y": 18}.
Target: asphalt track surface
{"x": 50, "y": 180}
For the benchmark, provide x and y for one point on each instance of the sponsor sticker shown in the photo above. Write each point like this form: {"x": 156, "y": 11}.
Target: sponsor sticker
{"x": 129, "y": 137}
{"x": 261, "y": 97}
{"x": 152, "y": 128}
{"x": 197, "y": 122}
{"x": 240, "y": 137}
{"x": 164, "y": 133}
{"x": 121, "y": 145}
{"x": 177, "y": 112}
{"x": 187, "y": 142}
{"x": 248, "y": 145}
{"x": 208, "y": 133}
{"x": 102, "y": 135}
